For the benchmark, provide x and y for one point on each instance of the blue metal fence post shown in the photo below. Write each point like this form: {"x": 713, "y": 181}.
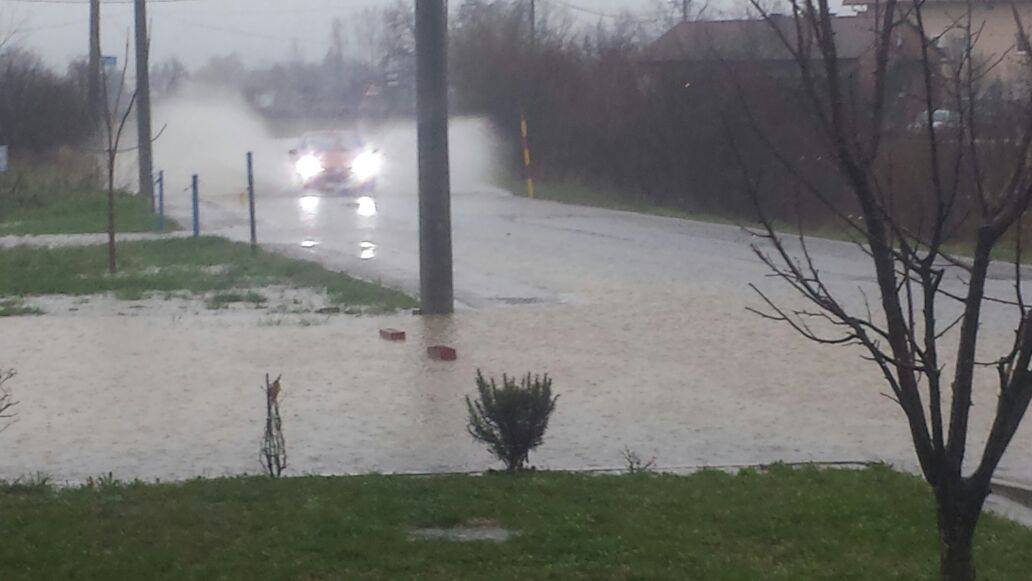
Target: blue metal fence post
{"x": 161, "y": 201}
{"x": 196, "y": 208}
{"x": 250, "y": 200}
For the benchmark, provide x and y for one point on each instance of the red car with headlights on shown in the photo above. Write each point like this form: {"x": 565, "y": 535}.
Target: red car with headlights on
{"x": 336, "y": 161}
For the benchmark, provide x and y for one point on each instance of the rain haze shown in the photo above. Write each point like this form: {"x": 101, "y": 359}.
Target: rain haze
{"x": 626, "y": 289}
{"x": 194, "y": 30}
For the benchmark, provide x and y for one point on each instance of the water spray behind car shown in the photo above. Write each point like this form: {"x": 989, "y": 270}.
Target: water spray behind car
{"x": 210, "y": 130}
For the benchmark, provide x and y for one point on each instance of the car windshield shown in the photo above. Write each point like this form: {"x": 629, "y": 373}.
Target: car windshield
{"x": 332, "y": 142}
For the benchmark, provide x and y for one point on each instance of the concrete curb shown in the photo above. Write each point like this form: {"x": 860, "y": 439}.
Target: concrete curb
{"x": 1014, "y": 491}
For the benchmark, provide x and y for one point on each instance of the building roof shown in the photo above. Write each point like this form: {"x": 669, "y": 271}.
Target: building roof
{"x": 707, "y": 40}
{"x": 882, "y": 2}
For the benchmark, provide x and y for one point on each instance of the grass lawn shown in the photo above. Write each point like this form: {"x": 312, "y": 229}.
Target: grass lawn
{"x": 48, "y": 200}
{"x": 784, "y": 524}
{"x": 82, "y": 213}
{"x": 197, "y": 266}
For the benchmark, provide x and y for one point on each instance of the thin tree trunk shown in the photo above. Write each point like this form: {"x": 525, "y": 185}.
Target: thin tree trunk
{"x": 112, "y": 260}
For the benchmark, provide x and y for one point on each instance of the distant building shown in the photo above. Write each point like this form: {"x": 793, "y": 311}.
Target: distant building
{"x": 759, "y": 45}
{"x": 998, "y": 40}
{"x": 708, "y": 52}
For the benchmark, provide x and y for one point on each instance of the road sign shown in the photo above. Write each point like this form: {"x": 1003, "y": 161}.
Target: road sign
{"x": 109, "y": 61}
{"x": 3, "y": 158}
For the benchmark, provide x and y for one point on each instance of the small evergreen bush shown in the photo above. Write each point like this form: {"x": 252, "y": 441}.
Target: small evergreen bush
{"x": 511, "y": 419}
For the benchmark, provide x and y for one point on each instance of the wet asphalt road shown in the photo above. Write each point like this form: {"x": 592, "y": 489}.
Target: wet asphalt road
{"x": 511, "y": 250}
{"x": 508, "y": 249}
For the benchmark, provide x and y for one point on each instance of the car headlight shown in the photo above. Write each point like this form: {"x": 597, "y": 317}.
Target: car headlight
{"x": 309, "y": 166}
{"x": 367, "y": 165}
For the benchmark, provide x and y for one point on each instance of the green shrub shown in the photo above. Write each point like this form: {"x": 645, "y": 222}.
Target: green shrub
{"x": 511, "y": 419}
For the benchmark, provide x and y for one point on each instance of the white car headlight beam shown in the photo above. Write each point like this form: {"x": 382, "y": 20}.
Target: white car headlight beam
{"x": 309, "y": 166}
{"x": 367, "y": 165}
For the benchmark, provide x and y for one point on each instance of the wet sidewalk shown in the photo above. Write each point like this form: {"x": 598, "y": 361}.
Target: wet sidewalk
{"x": 64, "y": 240}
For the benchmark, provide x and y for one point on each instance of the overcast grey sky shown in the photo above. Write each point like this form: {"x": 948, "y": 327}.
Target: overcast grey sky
{"x": 194, "y": 30}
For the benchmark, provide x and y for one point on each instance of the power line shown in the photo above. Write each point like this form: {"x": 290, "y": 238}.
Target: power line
{"x": 34, "y": 29}
{"x": 86, "y": 2}
{"x": 244, "y": 33}
{"x": 601, "y": 14}
{"x": 209, "y": 5}
{"x": 584, "y": 10}
{"x": 335, "y": 8}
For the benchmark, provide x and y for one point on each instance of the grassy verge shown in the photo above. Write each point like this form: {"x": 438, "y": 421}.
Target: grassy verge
{"x": 16, "y": 308}
{"x": 82, "y": 214}
{"x": 785, "y": 524}
{"x": 197, "y": 266}
{"x": 45, "y": 200}
{"x": 570, "y": 192}
{"x": 567, "y": 192}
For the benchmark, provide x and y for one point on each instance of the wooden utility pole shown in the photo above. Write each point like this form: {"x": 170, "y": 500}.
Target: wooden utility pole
{"x": 437, "y": 290}
{"x": 143, "y": 102}
{"x": 533, "y": 23}
{"x": 684, "y": 10}
{"x": 95, "y": 92}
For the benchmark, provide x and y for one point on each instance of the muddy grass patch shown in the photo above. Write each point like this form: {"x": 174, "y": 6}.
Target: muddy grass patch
{"x": 201, "y": 267}
{"x": 17, "y": 308}
{"x": 221, "y": 300}
{"x": 472, "y": 531}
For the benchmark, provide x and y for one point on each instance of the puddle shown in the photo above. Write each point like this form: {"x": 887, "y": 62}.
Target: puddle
{"x": 463, "y": 534}
{"x": 520, "y": 300}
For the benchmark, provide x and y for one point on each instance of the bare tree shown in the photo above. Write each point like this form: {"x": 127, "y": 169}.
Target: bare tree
{"x": 169, "y": 76}
{"x": 5, "y": 39}
{"x": 273, "y": 453}
{"x": 8, "y": 30}
{"x": 116, "y": 115}
{"x": 976, "y": 188}
{"x": 6, "y": 399}
{"x": 670, "y": 12}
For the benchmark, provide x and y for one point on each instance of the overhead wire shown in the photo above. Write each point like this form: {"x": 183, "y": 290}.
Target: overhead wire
{"x": 601, "y": 14}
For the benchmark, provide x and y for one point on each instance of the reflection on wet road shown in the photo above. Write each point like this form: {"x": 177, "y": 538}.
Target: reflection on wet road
{"x": 368, "y": 250}
{"x": 366, "y": 207}
{"x": 309, "y": 205}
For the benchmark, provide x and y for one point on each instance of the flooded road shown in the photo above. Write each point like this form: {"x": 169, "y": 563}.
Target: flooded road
{"x": 641, "y": 320}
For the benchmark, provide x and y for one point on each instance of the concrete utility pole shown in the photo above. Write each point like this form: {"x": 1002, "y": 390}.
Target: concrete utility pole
{"x": 94, "y": 88}
{"x": 435, "y": 232}
{"x": 684, "y": 10}
{"x": 143, "y": 102}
